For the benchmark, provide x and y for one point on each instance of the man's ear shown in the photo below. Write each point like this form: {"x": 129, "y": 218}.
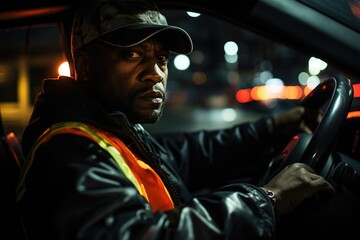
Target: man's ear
{"x": 81, "y": 62}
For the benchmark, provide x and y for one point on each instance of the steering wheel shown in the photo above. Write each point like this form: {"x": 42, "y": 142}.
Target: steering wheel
{"x": 314, "y": 149}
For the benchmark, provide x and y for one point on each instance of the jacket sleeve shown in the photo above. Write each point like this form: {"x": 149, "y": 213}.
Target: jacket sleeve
{"x": 240, "y": 152}
{"x": 76, "y": 191}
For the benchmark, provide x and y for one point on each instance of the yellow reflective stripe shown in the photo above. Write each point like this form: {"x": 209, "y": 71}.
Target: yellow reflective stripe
{"x": 103, "y": 143}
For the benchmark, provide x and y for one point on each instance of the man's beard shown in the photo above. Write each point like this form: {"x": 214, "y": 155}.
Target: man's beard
{"x": 155, "y": 118}
{"x": 148, "y": 119}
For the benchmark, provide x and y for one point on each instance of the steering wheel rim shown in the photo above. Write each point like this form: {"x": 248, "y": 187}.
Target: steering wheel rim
{"x": 335, "y": 116}
{"x": 314, "y": 149}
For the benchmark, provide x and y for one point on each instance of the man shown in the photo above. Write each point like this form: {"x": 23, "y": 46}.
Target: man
{"x": 93, "y": 172}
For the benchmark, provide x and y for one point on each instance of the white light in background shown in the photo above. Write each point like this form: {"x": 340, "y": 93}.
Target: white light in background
{"x": 231, "y": 58}
{"x": 303, "y": 78}
{"x": 228, "y": 115}
{"x": 181, "y": 62}
{"x": 316, "y": 65}
{"x": 274, "y": 85}
{"x": 264, "y": 76}
{"x": 64, "y": 69}
{"x": 231, "y": 48}
{"x": 312, "y": 82}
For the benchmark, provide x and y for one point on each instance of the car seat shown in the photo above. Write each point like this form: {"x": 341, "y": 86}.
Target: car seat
{"x": 11, "y": 162}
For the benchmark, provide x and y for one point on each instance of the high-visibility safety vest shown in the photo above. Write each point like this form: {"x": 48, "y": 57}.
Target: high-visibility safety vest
{"x": 144, "y": 178}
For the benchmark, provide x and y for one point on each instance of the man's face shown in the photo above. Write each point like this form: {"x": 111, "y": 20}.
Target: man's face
{"x": 131, "y": 80}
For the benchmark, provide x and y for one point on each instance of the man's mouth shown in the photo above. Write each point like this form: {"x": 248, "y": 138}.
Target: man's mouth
{"x": 153, "y": 96}
{"x": 157, "y": 100}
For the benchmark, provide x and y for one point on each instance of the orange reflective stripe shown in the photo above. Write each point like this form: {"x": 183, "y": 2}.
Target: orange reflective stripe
{"x": 144, "y": 178}
{"x": 152, "y": 187}
{"x": 79, "y": 129}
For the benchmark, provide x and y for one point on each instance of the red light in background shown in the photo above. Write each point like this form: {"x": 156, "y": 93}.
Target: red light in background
{"x": 353, "y": 114}
{"x": 262, "y": 93}
{"x": 243, "y": 96}
{"x": 356, "y": 88}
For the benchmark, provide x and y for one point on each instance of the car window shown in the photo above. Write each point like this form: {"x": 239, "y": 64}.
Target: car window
{"x": 233, "y": 75}
{"x": 28, "y": 54}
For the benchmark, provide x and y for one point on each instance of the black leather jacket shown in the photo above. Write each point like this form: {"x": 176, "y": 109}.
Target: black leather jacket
{"x": 75, "y": 190}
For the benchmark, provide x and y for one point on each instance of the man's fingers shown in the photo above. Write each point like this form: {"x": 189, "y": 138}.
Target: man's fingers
{"x": 322, "y": 184}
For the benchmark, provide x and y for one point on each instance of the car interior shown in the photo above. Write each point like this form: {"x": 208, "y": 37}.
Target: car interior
{"x": 318, "y": 43}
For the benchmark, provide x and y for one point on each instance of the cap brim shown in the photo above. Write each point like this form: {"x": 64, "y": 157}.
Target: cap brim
{"x": 175, "y": 38}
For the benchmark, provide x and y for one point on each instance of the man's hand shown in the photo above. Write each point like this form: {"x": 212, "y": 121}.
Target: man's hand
{"x": 293, "y": 184}
{"x": 296, "y": 120}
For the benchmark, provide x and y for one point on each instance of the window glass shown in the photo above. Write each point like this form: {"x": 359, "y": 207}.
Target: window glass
{"x": 233, "y": 75}
{"x": 28, "y": 54}
{"x": 257, "y": 76}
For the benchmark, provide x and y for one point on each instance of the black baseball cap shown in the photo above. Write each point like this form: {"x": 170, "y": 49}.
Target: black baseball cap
{"x": 125, "y": 23}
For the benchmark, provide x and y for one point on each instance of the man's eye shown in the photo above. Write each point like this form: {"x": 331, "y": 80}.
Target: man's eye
{"x": 132, "y": 54}
{"x": 163, "y": 58}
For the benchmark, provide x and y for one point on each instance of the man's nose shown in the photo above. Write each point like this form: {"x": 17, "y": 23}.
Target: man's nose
{"x": 154, "y": 74}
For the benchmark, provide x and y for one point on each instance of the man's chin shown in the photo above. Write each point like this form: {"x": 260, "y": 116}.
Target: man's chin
{"x": 147, "y": 118}
{"x": 151, "y": 119}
